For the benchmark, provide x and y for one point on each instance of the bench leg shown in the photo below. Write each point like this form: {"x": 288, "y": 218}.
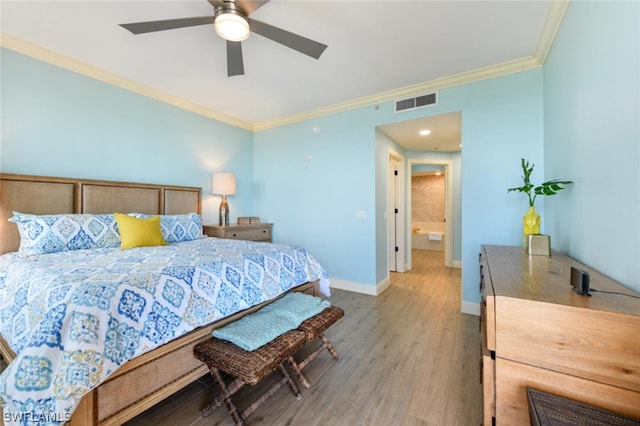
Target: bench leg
{"x": 258, "y": 402}
{"x": 296, "y": 368}
{"x": 292, "y": 385}
{"x": 226, "y": 391}
{"x": 326, "y": 344}
{"x": 225, "y": 396}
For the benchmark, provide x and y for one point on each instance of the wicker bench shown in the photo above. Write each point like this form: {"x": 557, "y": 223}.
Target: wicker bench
{"x": 250, "y": 367}
{"x": 247, "y": 368}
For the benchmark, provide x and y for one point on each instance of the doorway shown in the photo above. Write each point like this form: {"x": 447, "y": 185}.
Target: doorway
{"x": 435, "y": 139}
{"x": 431, "y": 214}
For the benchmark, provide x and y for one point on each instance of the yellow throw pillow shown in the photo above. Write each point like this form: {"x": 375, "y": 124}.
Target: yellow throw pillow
{"x": 136, "y": 232}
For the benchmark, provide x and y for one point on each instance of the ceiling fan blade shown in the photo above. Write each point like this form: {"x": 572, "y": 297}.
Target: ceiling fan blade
{"x": 168, "y": 24}
{"x": 289, "y": 39}
{"x": 235, "y": 64}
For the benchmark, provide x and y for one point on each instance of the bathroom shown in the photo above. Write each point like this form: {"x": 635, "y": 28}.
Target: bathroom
{"x": 428, "y": 207}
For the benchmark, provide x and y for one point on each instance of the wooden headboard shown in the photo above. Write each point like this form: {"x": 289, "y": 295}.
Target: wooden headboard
{"x": 51, "y": 195}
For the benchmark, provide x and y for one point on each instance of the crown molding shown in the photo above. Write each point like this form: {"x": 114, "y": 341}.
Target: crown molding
{"x": 557, "y": 10}
{"x": 479, "y": 74}
{"x": 551, "y": 26}
{"x": 73, "y": 65}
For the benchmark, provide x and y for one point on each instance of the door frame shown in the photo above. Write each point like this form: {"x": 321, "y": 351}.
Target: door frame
{"x": 448, "y": 207}
{"x": 401, "y": 227}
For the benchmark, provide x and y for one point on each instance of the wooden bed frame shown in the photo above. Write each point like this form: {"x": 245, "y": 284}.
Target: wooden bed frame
{"x": 146, "y": 380}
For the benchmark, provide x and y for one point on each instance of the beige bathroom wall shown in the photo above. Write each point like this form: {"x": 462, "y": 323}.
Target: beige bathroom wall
{"x": 427, "y": 198}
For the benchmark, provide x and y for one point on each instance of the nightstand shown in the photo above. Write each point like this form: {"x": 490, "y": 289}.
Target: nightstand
{"x": 253, "y": 232}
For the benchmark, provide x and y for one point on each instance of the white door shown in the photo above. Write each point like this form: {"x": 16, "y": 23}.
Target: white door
{"x": 393, "y": 215}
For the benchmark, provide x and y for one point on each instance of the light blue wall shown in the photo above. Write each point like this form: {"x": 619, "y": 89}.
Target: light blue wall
{"x": 592, "y": 136}
{"x": 315, "y": 204}
{"x": 501, "y": 123}
{"x": 59, "y": 123}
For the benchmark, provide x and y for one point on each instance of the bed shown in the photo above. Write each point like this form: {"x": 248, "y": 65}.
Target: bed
{"x": 146, "y": 379}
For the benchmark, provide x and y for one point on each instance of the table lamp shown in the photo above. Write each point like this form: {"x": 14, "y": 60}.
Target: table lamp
{"x": 224, "y": 184}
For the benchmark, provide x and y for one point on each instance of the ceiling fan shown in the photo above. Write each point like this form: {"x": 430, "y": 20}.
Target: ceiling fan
{"x": 232, "y": 22}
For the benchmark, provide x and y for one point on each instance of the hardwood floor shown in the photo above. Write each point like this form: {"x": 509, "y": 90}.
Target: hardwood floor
{"x": 407, "y": 357}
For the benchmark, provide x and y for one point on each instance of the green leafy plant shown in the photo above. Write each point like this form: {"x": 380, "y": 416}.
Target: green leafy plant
{"x": 546, "y": 188}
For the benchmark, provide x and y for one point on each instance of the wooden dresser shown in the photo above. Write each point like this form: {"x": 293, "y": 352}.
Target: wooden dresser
{"x": 252, "y": 232}
{"x": 538, "y": 333}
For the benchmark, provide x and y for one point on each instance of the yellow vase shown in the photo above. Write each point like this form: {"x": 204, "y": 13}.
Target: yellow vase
{"x": 530, "y": 224}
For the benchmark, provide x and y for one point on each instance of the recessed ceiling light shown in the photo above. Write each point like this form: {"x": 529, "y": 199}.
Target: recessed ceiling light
{"x": 425, "y": 132}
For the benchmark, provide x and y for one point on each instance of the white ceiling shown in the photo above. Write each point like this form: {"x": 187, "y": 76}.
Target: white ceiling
{"x": 376, "y": 49}
{"x": 445, "y": 133}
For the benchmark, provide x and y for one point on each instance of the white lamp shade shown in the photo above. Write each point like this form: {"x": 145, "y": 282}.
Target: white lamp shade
{"x": 232, "y": 27}
{"x": 224, "y": 184}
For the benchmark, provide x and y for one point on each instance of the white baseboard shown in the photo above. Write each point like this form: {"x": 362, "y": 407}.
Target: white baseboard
{"x": 383, "y": 285}
{"x": 470, "y": 308}
{"x": 457, "y": 264}
{"x": 372, "y": 290}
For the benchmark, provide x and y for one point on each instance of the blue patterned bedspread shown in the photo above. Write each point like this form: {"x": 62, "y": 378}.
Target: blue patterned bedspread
{"x": 74, "y": 317}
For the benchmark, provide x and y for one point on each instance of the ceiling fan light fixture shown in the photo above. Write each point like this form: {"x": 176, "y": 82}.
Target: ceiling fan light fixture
{"x": 232, "y": 26}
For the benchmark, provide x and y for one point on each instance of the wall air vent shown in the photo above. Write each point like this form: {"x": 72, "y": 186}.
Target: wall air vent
{"x": 409, "y": 104}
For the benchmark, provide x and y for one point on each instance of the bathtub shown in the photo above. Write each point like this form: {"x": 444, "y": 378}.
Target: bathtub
{"x": 427, "y": 236}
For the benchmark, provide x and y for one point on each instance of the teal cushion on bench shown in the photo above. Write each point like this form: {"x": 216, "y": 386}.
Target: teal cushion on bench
{"x": 261, "y": 327}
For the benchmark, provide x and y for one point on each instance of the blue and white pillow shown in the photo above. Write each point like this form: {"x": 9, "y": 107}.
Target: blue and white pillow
{"x": 41, "y": 234}
{"x": 179, "y": 227}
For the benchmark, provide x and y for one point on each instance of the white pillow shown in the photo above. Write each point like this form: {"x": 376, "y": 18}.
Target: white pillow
{"x": 41, "y": 234}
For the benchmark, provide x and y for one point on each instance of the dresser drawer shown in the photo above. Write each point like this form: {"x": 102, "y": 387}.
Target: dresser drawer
{"x": 513, "y": 378}
{"x": 595, "y": 345}
{"x": 488, "y": 387}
